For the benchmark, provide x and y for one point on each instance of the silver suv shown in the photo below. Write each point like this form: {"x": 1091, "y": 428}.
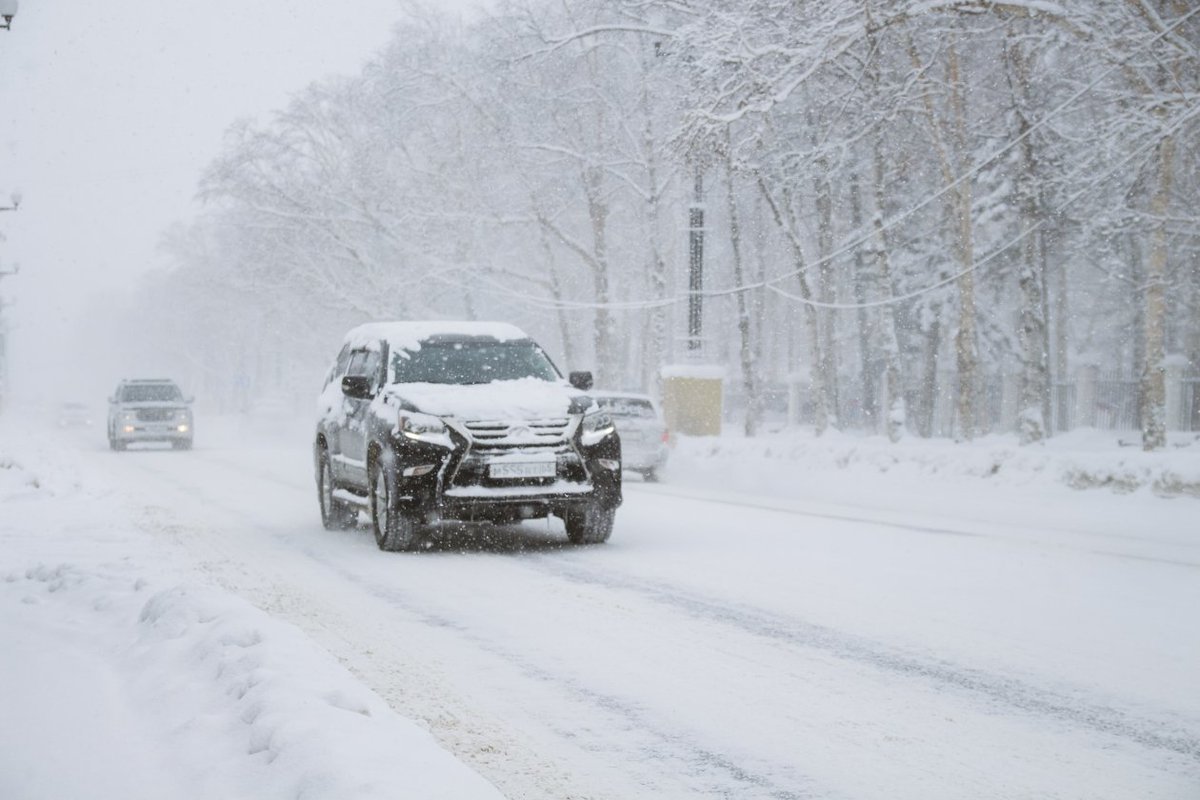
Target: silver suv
{"x": 149, "y": 410}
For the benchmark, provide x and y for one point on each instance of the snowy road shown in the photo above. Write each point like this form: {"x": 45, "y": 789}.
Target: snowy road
{"x": 726, "y": 645}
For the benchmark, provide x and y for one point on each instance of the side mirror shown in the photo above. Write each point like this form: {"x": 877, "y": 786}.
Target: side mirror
{"x": 112, "y": 399}
{"x": 357, "y": 386}
{"x": 581, "y": 380}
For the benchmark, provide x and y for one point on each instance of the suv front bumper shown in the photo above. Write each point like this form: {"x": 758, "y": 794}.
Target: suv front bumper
{"x": 458, "y": 488}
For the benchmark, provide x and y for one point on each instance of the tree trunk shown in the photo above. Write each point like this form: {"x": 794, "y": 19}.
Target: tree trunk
{"x": 929, "y": 386}
{"x": 959, "y": 202}
{"x": 820, "y": 409}
{"x": 826, "y": 293}
{"x": 1152, "y": 388}
{"x": 867, "y": 385}
{"x": 659, "y": 329}
{"x": 966, "y": 341}
{"x": 1031, "y": 331}
{"x": 892, "y": 399}
{"x": 745, "y": 342}
{"x": 603, "y": 331}
{"x": 891, "y": 394}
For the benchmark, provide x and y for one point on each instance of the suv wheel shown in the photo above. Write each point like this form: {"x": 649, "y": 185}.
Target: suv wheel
{"x": 591, "y": 524}
{"x": 394, "y": 529}
{"x": 335, "y": 515}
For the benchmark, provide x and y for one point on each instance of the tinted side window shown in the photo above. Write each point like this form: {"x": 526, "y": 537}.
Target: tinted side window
{"x": 372, "y": 365}
{"x": 365, "y": 362}
{"x": 339, "y": 365}
{"x": 357, "y": 359}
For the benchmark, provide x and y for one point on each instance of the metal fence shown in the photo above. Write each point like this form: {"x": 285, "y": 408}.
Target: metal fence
{"x": 1116, "y": 405}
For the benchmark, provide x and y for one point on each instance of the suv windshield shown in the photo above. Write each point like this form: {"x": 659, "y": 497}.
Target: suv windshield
{"x": 150, "y": 393}
{"x": 471, "y": 362}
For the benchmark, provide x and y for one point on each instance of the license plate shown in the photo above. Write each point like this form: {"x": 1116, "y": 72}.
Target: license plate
{"x": 522, "y": 469}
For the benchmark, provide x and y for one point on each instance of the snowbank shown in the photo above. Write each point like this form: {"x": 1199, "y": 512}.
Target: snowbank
{"x": 1082, "y": 459}
{"x": 189, "y": 691}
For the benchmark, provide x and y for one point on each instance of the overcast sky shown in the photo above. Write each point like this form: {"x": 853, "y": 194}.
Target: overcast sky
{"x": 110, "y": 111}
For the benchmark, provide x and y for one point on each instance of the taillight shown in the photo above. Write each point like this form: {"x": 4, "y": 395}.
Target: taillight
{"x": 666, "y": 437}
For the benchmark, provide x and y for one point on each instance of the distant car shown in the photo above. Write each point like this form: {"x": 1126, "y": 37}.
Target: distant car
{"x": 421, "y": 422}
{"x": 645, "y": 439}
{"x": 149, "y": 410}
{"x": 74, "y": 415}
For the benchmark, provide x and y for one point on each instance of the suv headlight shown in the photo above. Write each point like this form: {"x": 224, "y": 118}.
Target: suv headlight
{"x": 595, "y": 428}
{"x": 424, "y": 428}
{"x": 128, "y": 416}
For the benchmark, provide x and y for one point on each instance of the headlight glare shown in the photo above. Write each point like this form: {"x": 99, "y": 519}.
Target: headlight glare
{"x": 424, "y": 428}
{"x": 596, "y": 427}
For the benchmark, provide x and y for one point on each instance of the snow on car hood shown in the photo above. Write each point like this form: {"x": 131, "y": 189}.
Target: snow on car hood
{"x": 526, "y": 398}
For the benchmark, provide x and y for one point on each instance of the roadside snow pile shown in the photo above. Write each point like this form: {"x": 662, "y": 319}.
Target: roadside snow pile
{"x": 15, "y": 480}
{"x": 1081, "y": 459}
{"x": 124, "y": 677}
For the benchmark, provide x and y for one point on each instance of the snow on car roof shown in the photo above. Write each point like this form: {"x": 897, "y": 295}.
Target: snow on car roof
{"x": 409, "y": 335}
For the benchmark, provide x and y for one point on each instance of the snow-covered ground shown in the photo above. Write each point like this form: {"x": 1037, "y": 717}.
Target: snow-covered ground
{"x": 128, "y": 674}
{"x": 781, "y": 618}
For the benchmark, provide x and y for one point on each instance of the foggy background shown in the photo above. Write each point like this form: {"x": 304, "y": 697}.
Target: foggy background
{"x": 109, "y": 115}
{"x": 940, "y": 219}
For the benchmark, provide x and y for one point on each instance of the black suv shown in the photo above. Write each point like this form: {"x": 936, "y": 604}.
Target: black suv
{"x": 423, "y": 422}
{"x": 149, "y": 410}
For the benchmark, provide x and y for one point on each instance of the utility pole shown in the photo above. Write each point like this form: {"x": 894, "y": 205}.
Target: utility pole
{"x": 695, "y": 337}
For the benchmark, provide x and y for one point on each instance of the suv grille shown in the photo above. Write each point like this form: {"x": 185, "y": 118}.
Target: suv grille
{"x": 532, "y": 433}
{"x": 155, "y": 414}
{"x": 546, "y": 438}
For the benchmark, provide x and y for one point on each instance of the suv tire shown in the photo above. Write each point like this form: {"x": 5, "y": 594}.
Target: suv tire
{"x": 335, "y": 515}
{"x": 591, "y": 524}
{"x": 395, "y": 529}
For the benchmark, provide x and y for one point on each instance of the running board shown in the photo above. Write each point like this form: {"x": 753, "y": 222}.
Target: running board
{"x": 360, "y": 500}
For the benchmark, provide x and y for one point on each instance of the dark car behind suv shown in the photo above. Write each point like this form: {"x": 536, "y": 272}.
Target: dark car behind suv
{"x": 424, "y": 422}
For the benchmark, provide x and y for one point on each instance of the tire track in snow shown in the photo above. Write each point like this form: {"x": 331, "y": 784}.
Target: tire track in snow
{"x": 998, "y": 689}
{"x": 744, "y": 782}
{"x": 766, "y": 504}
{"x": 735, "y": 779}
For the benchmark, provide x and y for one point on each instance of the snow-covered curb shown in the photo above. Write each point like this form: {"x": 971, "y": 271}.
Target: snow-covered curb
{"x": 1080, "y": 460}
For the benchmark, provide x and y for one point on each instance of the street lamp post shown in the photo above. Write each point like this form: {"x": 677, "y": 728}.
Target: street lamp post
{"x": 8, "y": 10}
